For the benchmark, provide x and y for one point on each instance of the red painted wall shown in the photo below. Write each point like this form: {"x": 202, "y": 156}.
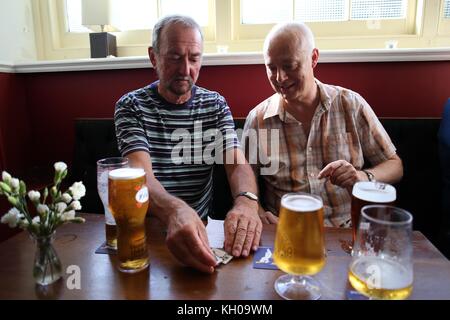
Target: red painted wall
{"x": 14, "y": 134}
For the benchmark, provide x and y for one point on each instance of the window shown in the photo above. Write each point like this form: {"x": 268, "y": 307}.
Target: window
{"x": 140, "y": 14}
{"x": 444, "y": 23}
{"x": 254, "y": 11}
{"x": 378, "y": 9}
{"x": 447, "y": 9}
{"x": 328, "y": 17}
{"x": 241, "y": 25}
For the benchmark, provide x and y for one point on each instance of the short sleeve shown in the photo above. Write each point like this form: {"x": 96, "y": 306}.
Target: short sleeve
{"x": 130, "y": 131}
{"x": 225, "y": 125}
{"x": 375, "y": 142}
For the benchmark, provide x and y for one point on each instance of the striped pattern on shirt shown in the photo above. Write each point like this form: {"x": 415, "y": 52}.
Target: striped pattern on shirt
{"x": 177, "y": 137}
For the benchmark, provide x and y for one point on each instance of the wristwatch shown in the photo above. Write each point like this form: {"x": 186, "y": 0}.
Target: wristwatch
{"x": 369, "y": 174}
{"x": 248, "y": 195}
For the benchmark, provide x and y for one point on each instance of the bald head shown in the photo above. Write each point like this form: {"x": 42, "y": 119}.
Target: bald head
{"x": 292, "y": 34}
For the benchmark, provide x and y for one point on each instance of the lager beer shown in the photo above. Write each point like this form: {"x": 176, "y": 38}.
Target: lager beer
{"x": 369, "y": 192}
{"x": 381, "y": 278}
{"x": 381, "y": 265}
{"x": 299, "y": 241}
{"x": 128, "y": 201}
{"x": 103, "y": 168}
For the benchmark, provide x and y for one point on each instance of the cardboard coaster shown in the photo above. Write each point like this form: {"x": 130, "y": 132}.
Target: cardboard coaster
{"x": 104, "y": 249}
{"x": 262, "y": 259}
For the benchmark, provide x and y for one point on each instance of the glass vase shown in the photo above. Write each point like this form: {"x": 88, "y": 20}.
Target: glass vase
{"x": 47, "y": 267}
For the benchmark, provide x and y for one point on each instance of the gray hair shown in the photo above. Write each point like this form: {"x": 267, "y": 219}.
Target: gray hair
{"x": 185, "y": 21}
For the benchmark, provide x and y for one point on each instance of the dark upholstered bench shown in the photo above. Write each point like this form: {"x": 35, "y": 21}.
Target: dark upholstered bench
{"x": 420, "y": 191}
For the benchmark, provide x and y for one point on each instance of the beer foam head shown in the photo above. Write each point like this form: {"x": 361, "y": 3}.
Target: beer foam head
{"x": 301, "y": 203}
{"x": 374, "y": 191}
{"x": 126, "y": 173}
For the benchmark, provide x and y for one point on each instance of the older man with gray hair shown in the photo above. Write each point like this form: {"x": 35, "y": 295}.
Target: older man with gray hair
{"x": 151, "y": 121}
{"x": 325, "y": 132}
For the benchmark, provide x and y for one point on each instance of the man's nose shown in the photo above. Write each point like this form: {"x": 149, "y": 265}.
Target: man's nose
{"x": 281, "y": 75}
{"x": 183, "y": 67}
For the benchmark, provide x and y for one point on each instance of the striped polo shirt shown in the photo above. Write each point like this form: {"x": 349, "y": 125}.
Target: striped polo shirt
{"x": 183, "y": 140}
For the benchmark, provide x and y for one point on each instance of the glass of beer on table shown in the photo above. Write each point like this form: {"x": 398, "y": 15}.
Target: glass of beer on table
{"x": 103, "y": 168}
{"x": 366, "y": 193}
{"x": 381, "y": 265}
{"x": 299, "y": 246}
{"x": 128, "y": 201}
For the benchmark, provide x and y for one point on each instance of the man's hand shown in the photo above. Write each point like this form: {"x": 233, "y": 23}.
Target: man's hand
{"x": 188, "y": 241}
{"x": 243, "y": 228}
{"x": 342, "y": 173}
{"x": 267, "y": 217}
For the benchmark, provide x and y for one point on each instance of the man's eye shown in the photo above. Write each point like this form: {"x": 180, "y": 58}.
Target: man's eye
{"x": 290, "y": 67}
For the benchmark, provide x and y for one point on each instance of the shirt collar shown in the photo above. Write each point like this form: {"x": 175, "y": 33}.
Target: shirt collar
{"x": 275, "y": 105}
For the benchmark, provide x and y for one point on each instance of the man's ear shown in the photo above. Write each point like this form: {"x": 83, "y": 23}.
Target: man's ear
{"x": 152, "y": 56}
{"x": 315, "y": 57}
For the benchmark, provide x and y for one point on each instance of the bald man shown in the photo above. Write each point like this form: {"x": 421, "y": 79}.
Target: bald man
{"x": 318, "y": 135}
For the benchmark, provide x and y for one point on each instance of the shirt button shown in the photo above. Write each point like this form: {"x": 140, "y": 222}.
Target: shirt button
{"x": 311, "y": 174}
{"x": 310, "y": 148}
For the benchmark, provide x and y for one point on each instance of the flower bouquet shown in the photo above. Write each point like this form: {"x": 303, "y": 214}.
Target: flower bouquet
{"x": 51, "y": 209}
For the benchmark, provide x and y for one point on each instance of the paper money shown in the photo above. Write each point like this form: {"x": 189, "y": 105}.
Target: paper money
{"x": 221, "y": 255}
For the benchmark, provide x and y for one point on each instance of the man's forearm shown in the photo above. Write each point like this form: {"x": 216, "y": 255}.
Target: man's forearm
{"x": 240, "y": 175}
{"x": 389, "y": 171}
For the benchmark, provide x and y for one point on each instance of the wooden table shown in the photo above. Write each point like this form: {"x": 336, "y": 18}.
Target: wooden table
{"x": 167, "y": 280}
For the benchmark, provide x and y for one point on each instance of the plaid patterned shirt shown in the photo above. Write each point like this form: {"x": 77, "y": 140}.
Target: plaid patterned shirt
{"x": 343, "y": 127}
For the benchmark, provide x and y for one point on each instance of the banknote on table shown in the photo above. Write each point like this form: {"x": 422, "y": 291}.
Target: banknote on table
{"x": 221, "y": 255}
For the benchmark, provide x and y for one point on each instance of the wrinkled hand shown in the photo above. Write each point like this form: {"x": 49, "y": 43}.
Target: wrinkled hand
{"x": 243, "y": 228}
{"x": 341, "y": 173}
{"x": 188, "y": 241}
{"x": 267, "y": 217}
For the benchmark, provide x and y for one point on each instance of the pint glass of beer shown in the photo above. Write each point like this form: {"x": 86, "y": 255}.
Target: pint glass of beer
{"x": 299, "y": 246}
{"x": 381, "y": 265}
{"x": 103, "y": 168}
{"x": 366, "y": 193}
{"x": 128, "y": 201}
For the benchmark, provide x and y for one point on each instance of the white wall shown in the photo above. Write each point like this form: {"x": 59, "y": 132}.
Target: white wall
{"x": 17, "y": 41}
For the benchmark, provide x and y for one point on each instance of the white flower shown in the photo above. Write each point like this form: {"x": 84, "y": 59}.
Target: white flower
{"x": 23, "y": 223}
{"x": 60, "y": 207}
{"x": 42, "y": 209}
{"x": 34, "y": 195}
{"x": 75, "y": 205}
{"x": 12, "y": 218}
{"x": 15, "y": 183}
{"x": 66, "y": 197}
{"x": 60, "y": 166}
{"x": 36, "y": 220}
{"x": 6, "y": 177}
{"x": 78, "y": 190}
{"x": 69, "y": 215}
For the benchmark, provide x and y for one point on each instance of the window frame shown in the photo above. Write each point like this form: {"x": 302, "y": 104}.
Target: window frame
{"x": 351, "y": 28}
{"x": 60, "y": 43}
{"x": 53, "y": 42}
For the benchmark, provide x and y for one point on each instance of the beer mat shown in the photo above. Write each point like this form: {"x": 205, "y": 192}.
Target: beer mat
{"x": 262, "y": 259}
{"x": 103, "y": 249}
{"x": 355, "y": 295}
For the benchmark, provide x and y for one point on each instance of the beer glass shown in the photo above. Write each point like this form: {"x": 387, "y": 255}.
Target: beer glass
{"x": 366, "y": 193}
{"x": 128, "y": 201}
{"x": 103, "y": 168}
{"x": 381, "y": 265}
{"x": 299, "y": 246}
